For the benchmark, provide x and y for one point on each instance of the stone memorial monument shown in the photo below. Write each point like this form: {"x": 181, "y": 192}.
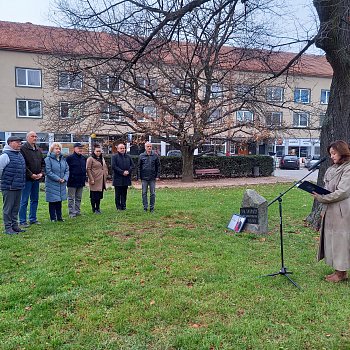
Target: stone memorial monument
{"x": 254, "y": 208}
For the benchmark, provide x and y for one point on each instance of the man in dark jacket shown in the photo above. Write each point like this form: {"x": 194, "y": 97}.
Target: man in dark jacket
{"x": 76, "y": 180}
{"x": 34, "y": 172}
{"x": 13, "y": 178}
{"x": 148, "y": 170}
{"x": 122, "y": 166}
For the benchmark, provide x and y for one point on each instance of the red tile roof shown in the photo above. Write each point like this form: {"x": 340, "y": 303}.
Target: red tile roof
{"x": 27, "y": 37}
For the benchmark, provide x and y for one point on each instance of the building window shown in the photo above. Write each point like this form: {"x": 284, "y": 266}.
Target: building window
{"x": 70, "y": 81}
{"x": 29, "y": 109}
{"x": 111, "y": 113}
{"x": 109, "y": 83}
{"x": 147, "y": 83}
{"x": 63, "y": 138}
{"x": 274, "y": 94}
{"x": 274, "y": 119}
{"x": 145, "y": 112}
{"x": 216, "y": 115}
{"x": 245, "y": 91}
{"x": 70, "y": 110}
{"x": 325, "y": 97}
{"x": 216, "y": 90}
{"x": 302, "y": 95}
{"x": 244, "y": 116}
{"x": 27, "y": 77}
{"x": 181, "y": 88}
{"x": 301, "y": 120}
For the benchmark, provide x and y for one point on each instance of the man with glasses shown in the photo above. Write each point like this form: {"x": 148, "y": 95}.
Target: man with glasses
{"x": 34, "y": 173}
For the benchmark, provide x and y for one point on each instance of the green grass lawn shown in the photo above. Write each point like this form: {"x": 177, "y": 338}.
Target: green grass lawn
{"x": 174, "y": 279}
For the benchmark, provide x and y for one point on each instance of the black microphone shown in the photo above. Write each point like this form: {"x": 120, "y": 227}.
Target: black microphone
{"x": 317, "y": 163}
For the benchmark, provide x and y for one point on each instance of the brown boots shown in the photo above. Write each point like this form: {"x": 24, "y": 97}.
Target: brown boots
{"x": 337, "y": 276}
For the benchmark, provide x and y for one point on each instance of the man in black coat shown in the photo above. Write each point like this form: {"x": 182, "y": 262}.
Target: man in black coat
{"x": 122, "y": 166}
{"x": 77, "y": 178}
{"x": 34, "y": 173}
{"x": 148, "y": 170}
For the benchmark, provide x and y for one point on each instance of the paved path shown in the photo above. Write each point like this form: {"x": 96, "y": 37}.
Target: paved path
{"x": 226, "y": 182}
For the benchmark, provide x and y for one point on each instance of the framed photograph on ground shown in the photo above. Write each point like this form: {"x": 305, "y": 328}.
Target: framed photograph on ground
{"x": 236, "y": 223}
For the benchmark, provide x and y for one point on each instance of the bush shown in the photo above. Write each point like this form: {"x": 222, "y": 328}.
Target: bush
{"x": 236, "y": 166}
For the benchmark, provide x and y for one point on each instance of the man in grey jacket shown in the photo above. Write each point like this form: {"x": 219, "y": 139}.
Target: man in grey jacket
{"x": 13, "y": 178}
{"x": 148, "y": 170}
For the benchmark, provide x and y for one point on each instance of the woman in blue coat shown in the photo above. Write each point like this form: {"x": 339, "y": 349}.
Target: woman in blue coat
{"x": 57, "y": 173}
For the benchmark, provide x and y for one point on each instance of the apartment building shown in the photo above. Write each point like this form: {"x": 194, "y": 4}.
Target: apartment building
{"x": 297, "y": 101}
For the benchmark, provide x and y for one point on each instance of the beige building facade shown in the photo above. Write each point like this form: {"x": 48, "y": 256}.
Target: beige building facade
{"x": 293, "y": 119}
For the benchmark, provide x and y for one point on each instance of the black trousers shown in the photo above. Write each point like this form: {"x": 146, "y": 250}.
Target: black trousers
{"x": 95, "y": 199}
{"x": 55, "y": 210}
{"x": 120, "y": 197}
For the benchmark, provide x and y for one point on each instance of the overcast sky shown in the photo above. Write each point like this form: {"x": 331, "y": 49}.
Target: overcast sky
{"x": 300, "y": 17}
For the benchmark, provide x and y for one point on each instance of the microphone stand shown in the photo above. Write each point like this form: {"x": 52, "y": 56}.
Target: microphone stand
{"x": 283, "y": 271}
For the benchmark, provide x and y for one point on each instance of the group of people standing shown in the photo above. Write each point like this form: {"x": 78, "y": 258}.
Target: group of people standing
{"x": 22, "y": 167}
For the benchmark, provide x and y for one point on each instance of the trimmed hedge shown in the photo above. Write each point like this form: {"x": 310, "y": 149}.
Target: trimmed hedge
{"x": 235, "y": 166}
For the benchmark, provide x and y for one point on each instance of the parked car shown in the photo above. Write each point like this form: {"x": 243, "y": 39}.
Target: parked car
{"x": 212, "y": 154}
{"x": 289, "y": 162}
{"x": 310, "y": 161}
{"x": 174, "y": 153}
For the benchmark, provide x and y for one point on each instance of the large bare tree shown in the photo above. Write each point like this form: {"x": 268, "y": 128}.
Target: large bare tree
{"x": 169, "y": 69}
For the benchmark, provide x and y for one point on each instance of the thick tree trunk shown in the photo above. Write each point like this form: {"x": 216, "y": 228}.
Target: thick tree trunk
{"x": 187, "y": 163}
{"x": 333, "y": 37}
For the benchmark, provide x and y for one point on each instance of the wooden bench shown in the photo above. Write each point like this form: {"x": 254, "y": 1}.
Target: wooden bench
{"x": 207, "y": 172}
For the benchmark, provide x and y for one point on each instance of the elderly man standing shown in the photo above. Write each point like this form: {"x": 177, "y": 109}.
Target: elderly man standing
{"x": 122, "y": 166}
{"x": 77, "y": 178}
{"x": 148, "y": 170}
{"x": 13, "y": 178}
{"x": 34, "y": 173}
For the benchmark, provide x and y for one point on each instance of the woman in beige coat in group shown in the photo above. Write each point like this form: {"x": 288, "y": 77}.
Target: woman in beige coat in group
{"x": 97, "y": 172}
{"x": 334, "y": 245}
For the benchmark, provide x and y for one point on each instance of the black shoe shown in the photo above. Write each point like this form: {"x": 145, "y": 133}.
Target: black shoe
{"x": 35, "y": 223}
{"x": 10, "y": 231}
{"x": 98, "y": 211}
{"x": 60, "y": 220}
{"x": 151, "y": 210}
{"x": 25, "y": 224}
{"x": 145, "y": 209}
{"x": 17, "y": 229}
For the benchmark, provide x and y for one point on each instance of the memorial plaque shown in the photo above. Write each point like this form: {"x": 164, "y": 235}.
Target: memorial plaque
{"x": 252, "y": 214}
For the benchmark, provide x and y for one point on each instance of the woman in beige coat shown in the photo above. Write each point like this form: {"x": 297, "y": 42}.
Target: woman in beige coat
{"x": 334, "y": 245}
{"x": 97, "y": 172}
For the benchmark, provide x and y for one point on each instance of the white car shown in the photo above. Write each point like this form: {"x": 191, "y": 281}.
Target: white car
{"x": 310, "y": 161}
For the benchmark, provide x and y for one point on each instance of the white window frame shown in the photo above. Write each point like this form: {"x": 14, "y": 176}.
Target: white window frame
{"x": 27, "y": 72}
{"x": 324, "y": 93}
{"x": 272, "y": 116}
{"x": 72, "y": 109}
{"x": 298, "y": 92}
{"x": 301, "y": 115}
{"x": 274, "y": 94}
{"x": 146, "y": 110}
{"x": 27, "y": 102}
{"x": 147, "y": 83}
{"x": 216, "y": 90}
{"x": 216, "y": 116}
{"x": 111, "y": 113}
{"x": 244, "y": 91}
{"x": 109, "y": 79}
{"x": 244, "y": 116}
{"x": 72, "y": 79}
